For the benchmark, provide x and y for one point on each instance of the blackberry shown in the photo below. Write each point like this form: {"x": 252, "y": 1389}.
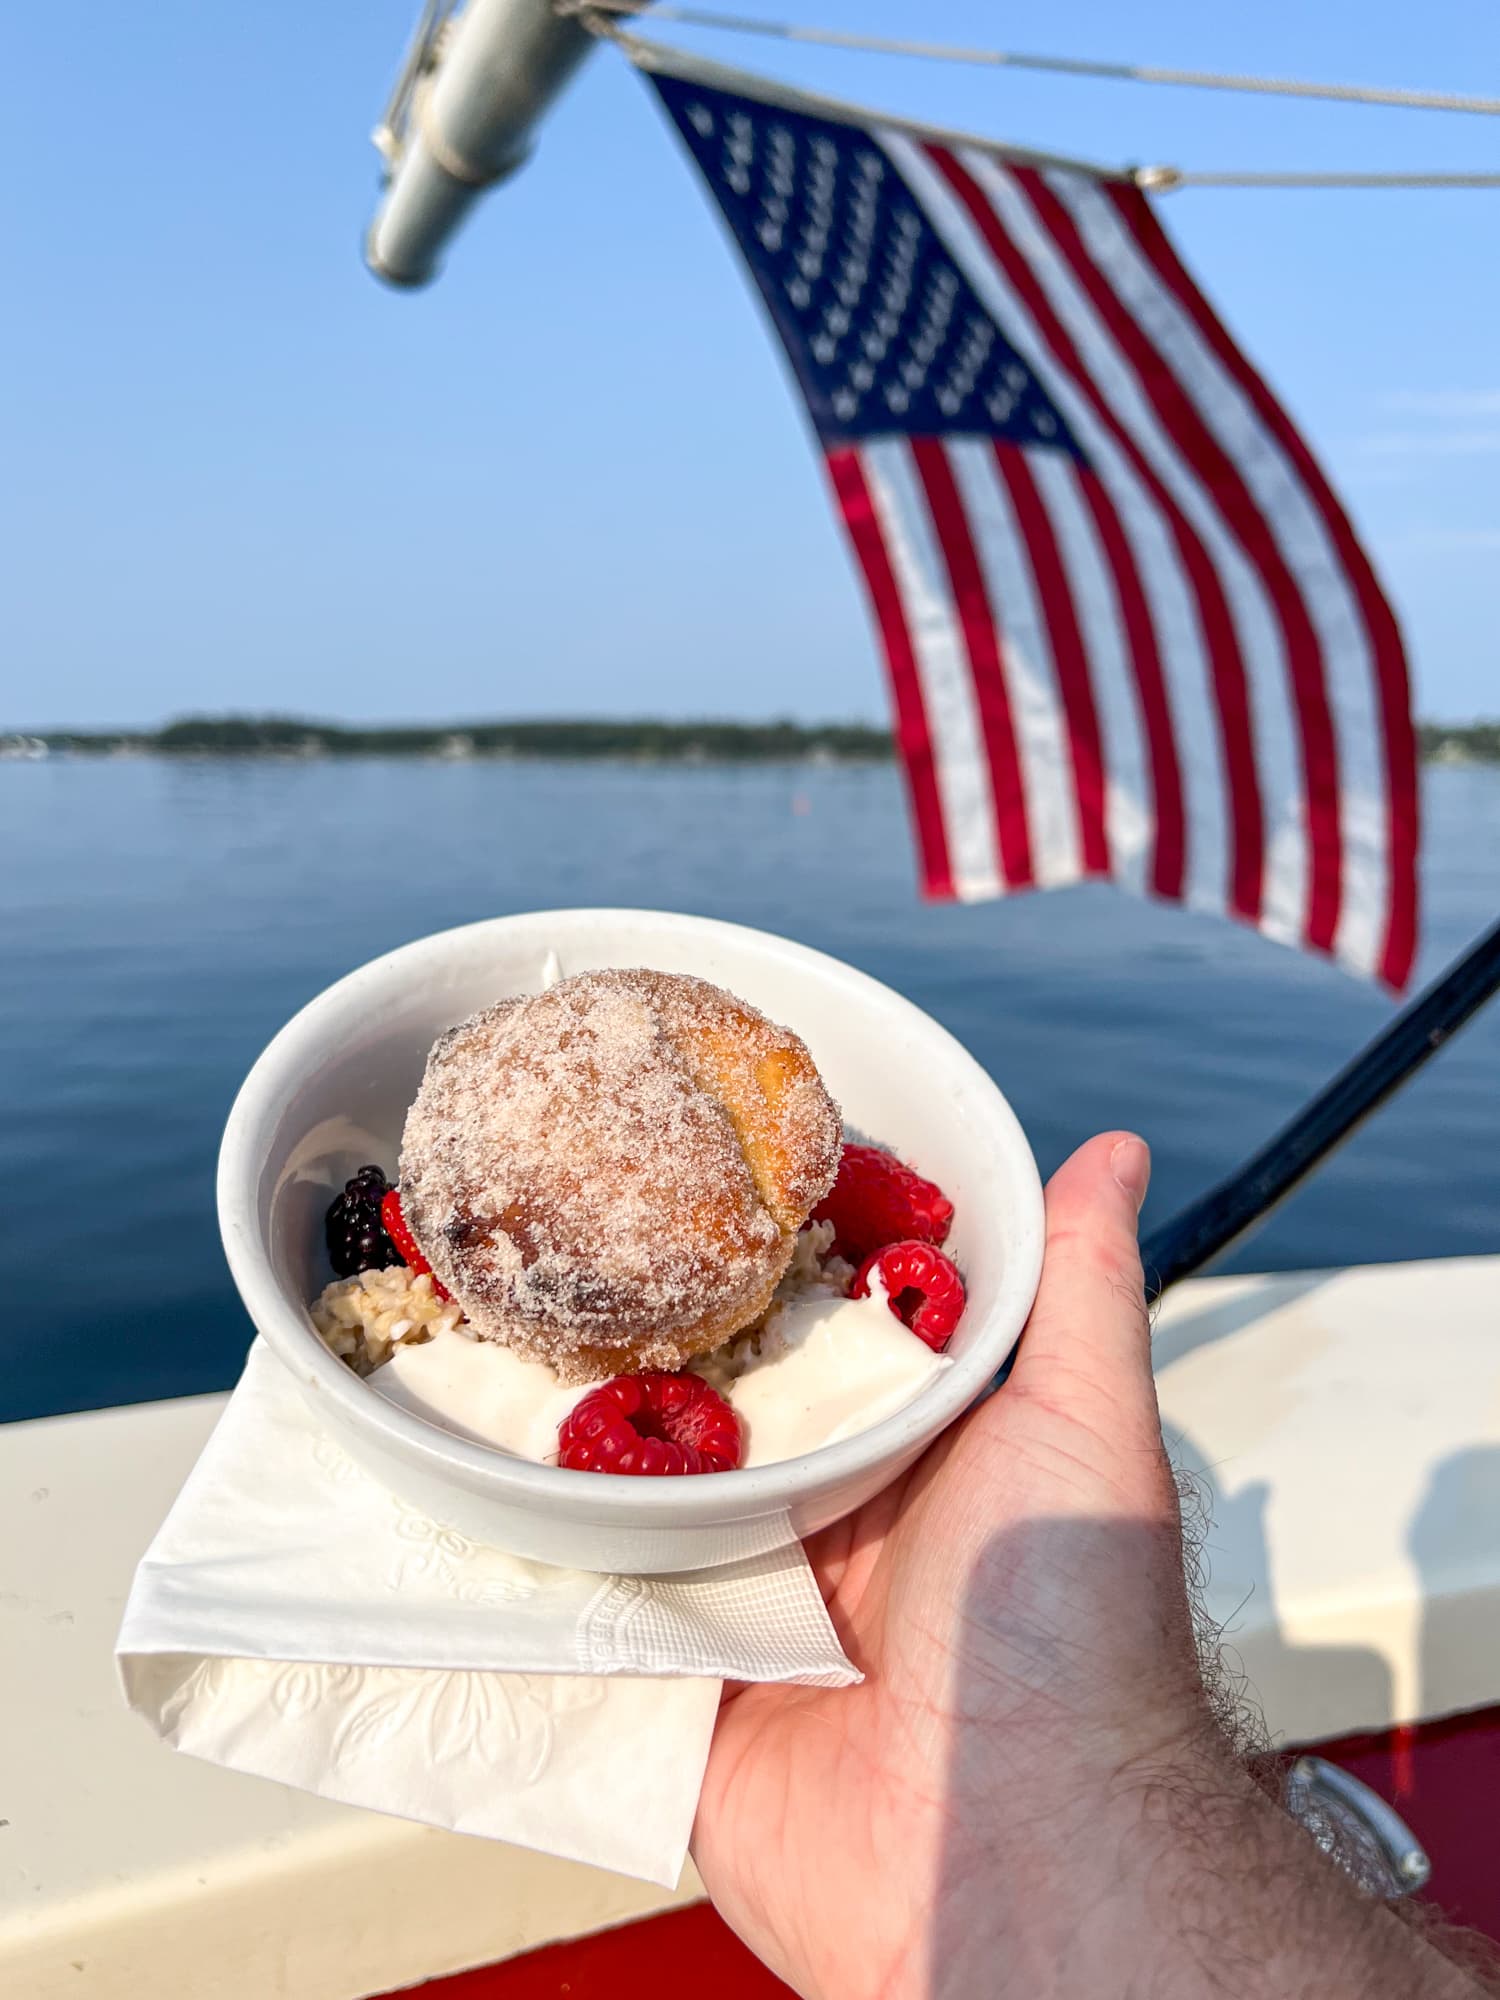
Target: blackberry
{"x": 356, "y": 1239}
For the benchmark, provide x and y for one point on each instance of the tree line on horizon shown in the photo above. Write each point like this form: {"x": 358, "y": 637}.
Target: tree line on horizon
{"x": 290, "y": 736}
{"x": 780, "y": 741}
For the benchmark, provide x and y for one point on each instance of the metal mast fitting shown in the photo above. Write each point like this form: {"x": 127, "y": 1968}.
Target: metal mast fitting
{"x": 472, "y": 90}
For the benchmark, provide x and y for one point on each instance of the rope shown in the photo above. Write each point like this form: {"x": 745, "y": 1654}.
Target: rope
{"x": 602, "y": 20}
{"x": 1163, "y": 180}
{"x": 1194, "y": 79}
{"x": 665, "y": 59}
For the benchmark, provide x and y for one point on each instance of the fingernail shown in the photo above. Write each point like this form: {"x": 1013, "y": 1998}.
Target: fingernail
{"x": 1130, "y": 1163}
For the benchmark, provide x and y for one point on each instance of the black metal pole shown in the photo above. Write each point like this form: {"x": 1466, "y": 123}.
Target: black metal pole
{"x": 1197, "y": 1233}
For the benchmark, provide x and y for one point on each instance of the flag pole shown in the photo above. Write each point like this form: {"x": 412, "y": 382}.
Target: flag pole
{"x": 1198, "y": 1233}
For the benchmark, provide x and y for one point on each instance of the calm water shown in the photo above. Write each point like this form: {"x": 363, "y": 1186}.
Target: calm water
{"x": 159, "y": 921}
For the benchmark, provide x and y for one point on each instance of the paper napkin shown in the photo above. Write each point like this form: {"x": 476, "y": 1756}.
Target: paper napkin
{"x": 296, "y": 1620}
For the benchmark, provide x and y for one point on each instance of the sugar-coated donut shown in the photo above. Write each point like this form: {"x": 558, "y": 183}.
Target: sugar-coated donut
{"x": 610, "y": 1176}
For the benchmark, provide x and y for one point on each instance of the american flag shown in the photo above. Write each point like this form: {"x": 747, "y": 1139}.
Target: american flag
{"x": 1128, "y": 627}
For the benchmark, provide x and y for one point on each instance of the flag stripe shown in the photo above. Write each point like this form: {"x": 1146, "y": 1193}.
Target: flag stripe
{"x": 1046, "y": 772}
{"x": 1124, "y": 755}
{"x": 1193, "y": 725}
{"x": 1231, "y": 695}
{"x": 1291, "y": 517}
{"x": 1168, "y": 864}
{"x": 1069, "y": 659}
{"x": 981, "y": 642}
{"x": 965, "y": 783}
{"x": 913, "y": 735}
{"x": 1398, "y": 739}
{"x": 1222, "y": 481}
{"x": 1255, "y": 636}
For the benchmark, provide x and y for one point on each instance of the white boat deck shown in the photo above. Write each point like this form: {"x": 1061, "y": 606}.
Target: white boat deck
{"x": 1348, "y": 1424}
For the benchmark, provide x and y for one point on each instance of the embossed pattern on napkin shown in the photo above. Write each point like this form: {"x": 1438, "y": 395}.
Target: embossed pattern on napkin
{"x": 548, "y": 1761}
{"x": 294, "y": 1619}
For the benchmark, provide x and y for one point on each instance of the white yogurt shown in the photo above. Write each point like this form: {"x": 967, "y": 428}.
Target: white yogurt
{"x": 480, "y": 1391}
{"x": 829, "y": 1368}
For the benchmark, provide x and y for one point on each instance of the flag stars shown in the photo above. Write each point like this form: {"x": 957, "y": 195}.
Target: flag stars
{"x": 739, "y": 152}
{"x": 979, "y": 338}
{"x": 884, "y": 329}
{"x": 895, "y": 292}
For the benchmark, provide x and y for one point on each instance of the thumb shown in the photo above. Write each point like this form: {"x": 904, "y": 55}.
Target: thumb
{"x": 1089, "y": 1335}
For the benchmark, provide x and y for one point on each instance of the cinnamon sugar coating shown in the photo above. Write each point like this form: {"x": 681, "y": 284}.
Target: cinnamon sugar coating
{"x": 610, "y": 1175}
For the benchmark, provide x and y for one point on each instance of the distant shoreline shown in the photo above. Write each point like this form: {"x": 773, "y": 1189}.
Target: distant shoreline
{"x": 636, "y": 741}
{"x": 641, "y": 742}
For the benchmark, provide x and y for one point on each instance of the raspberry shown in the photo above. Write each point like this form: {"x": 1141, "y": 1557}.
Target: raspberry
{"x": 650, "y": 1423}
{"x": 876, "y": 1201}
{"x": 922, "y": 1285}
{"x": 406, "y": 1244}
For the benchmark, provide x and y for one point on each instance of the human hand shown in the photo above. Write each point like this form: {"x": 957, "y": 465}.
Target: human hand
{"x": 1017, "y": 1606}
{"x": 1028, "y": 1793}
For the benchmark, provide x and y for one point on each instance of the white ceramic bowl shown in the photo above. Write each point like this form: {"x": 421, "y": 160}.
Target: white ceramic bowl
{"x": 331, "y": 1092}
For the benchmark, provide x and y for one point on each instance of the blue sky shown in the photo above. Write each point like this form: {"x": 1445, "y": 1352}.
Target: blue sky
{"x": 235, "y": 473}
